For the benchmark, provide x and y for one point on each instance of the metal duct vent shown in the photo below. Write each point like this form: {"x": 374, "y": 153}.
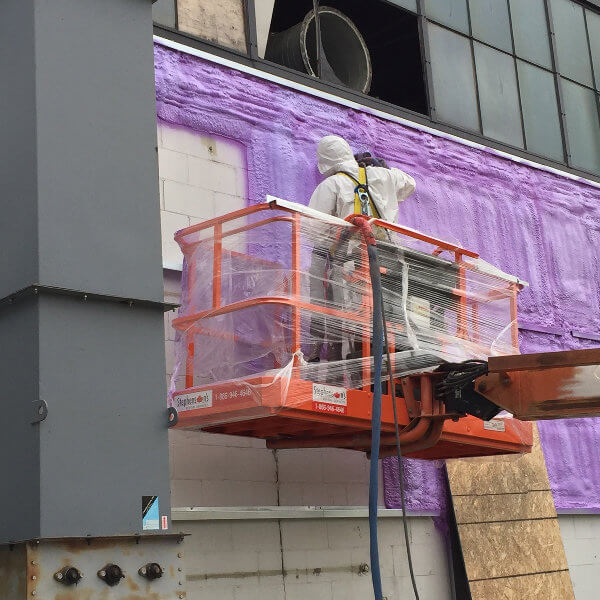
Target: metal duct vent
{"x": 344, "y": 55}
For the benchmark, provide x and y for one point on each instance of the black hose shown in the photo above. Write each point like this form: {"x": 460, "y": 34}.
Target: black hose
{"x": 375, "y": 419}
{"x": 398, "y": 451}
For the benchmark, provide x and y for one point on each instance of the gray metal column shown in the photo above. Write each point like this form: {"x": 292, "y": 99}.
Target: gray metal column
{"x": 79, "y": 240}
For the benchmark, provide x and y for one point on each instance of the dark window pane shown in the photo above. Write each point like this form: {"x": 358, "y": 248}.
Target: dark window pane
{"x": 453, "y": 78}
{"x": 163, "y": 12}
{"x": 540, "y": 111}
{"x": 490, "y": 22}
{"x": 571, "y": 41}
{"x": 452, "y": 13}
{"x": 593, "y": 21}
{"x": 498, "y": 97}
{"x": 583, "y": 126}
{"x": 409, "y": 4}
{"x": 530, "y": 30}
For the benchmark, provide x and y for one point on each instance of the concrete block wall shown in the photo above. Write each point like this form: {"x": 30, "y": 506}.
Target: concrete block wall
{"x": 201, "y": 177}
{"x": 310, "y": 558}
{"x": 581, "y": 539}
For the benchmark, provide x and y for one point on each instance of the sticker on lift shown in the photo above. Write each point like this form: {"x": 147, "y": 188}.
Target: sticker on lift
{"x": 494, "y": 425}
{"x": 329, "y": 399}
{"x": 420, "y": 312}
{"x": 192, "y": 401}
{"x": 150, "y": 513}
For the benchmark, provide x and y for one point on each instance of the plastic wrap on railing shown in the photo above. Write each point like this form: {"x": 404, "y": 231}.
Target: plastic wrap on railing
{"x": 281, "y": 294}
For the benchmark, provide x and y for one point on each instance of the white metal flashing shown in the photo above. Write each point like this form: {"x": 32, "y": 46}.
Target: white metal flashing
{"x": 309, "y": 212}
{"x": 355, "y": 105}
{"x": 268, "y": 513}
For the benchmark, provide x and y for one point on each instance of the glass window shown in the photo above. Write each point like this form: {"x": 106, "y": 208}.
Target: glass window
{"x": 571, "y": 41}
{"x": 593, "y": 23}
{"x": 540, "y": 111}
{"x": 163, "y": 12}
{"x": 490, "y": 23}
{"x": 583, "y": 126}
{"x": 453, "y": 78}
{"x": 408, "y": 4}
{"x": 498, "y": 97}
{"x": 530, "y": 30}
{"x": 452, "y": 13}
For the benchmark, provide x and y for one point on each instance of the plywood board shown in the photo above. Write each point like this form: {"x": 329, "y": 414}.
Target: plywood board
{"x": 541, "y": 586}
{"x": 499, "y": 474}
{"x": 512, "y": 548}
{"x": 504, "y": 507}
{"x": 508, "y": 529}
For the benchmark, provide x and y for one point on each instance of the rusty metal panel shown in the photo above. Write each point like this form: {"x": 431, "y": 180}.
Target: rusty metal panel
{"x": 12, "y": 572}
{"x": 32, "y": 568}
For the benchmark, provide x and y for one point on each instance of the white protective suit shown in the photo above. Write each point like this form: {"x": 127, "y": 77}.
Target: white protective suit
{"x": 335, "y": 195}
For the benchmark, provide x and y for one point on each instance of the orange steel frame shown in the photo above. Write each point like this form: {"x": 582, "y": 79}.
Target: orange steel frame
{"x": 260, "y": 411}
{"x": 548, "y": 385}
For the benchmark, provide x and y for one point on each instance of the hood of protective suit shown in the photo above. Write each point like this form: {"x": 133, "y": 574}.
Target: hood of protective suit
{"x": 335, "y": 155}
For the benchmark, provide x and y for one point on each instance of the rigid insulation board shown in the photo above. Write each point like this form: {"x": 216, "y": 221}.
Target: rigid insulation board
{"x": 504, "y": 508}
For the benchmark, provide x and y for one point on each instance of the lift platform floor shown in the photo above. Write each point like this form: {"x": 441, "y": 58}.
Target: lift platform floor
{"x": 295, "y": 413}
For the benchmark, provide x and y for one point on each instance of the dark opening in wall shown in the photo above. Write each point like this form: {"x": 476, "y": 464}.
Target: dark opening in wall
{"x": 391, "y": 36}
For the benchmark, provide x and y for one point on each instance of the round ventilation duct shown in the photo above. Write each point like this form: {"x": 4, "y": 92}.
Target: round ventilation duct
{"x": 344, "y": 55}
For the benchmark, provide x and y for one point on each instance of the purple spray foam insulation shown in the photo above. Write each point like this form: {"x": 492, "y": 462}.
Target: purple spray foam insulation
{"x": 541, "y": 226}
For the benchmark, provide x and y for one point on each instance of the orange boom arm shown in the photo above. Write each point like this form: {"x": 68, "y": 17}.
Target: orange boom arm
{"x": 548, "y": 385}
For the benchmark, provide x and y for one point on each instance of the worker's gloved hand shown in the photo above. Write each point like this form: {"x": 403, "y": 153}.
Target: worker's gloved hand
{"x": 365, "y": 159}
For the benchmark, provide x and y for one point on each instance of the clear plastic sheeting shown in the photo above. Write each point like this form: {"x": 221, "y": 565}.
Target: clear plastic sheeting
{"x": 276, "y": 312}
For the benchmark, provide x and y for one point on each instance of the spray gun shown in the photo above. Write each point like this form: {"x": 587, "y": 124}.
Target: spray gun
{"x": 366, "y": 159}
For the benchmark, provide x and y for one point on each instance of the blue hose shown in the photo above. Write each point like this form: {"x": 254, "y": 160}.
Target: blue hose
{"x": 375, "y": 419}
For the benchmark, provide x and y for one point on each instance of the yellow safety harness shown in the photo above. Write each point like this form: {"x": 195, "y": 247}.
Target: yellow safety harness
{"x": 363, "y": 203}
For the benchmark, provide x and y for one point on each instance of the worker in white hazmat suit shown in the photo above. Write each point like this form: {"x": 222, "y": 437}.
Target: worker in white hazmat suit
{"x": 370, "y": 188}
{"x": 335, "y": 195}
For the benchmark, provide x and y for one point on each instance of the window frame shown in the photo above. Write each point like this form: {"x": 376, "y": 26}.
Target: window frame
{"x": 251, "y": 59}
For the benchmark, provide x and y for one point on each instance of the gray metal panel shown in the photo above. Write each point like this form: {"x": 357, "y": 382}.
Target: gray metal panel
{"x": 78, "y": 172}
{"x": 99, "y": 226}
{"x": 18, "y": 189}
{"x": 104, "y": 444}
{"x": 19, "y": 439}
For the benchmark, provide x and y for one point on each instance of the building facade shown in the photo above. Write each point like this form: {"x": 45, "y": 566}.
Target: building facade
{"x": 492, "y": 106}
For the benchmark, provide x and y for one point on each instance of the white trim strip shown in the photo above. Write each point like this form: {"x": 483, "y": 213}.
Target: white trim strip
{"x": 365, "y": 109}
{"x": 268, "y": 513}
{"x": 309, "y": 212}
{"x": 577, "y": 511}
